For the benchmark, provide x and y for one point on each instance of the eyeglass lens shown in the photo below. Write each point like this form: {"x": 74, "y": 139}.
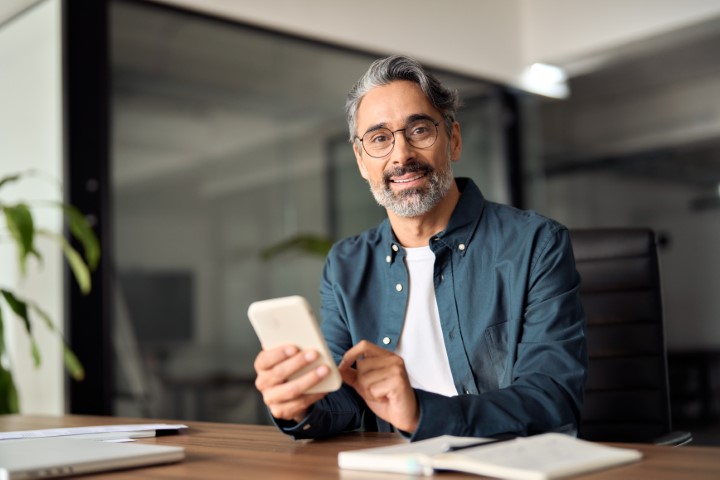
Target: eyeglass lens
{"x": 420, "y": 134}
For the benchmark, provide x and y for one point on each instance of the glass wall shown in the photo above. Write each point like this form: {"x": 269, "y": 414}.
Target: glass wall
{"x": 227, "y": 142}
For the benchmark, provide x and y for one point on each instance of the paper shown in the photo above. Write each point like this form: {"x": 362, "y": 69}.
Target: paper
{"x": 412, "y": 458}
{"x": 540, "y": 457}
{"x": 100, "y": 432}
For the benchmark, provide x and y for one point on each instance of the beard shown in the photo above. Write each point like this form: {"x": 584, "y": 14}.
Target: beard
{"x": 413, "y": 202}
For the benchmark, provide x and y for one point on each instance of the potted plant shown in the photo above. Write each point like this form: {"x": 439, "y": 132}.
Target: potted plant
{"x": 22, "y": 231}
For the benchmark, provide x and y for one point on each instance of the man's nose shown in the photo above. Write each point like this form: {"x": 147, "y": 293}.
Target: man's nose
{"x": 403, "y": 150}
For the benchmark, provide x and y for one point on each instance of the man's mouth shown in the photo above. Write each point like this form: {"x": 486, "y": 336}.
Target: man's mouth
{"x": 407, "y": 175}
{"x": 408, "y": 178}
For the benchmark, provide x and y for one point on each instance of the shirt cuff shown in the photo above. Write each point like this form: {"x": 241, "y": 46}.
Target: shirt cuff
{"x": 298, "y": 430}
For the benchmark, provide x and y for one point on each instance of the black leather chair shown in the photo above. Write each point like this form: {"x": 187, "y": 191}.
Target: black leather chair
{"x": 626, "y": 393}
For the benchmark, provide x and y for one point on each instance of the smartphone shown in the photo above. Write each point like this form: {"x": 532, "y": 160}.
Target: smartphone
{"x": 290, "y": 321}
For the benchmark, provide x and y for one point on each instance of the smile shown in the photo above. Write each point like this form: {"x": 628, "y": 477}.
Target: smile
{"x": 408, "y": 180}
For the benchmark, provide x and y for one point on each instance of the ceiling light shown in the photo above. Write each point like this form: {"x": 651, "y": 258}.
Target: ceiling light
{"x": 545, "y": 79}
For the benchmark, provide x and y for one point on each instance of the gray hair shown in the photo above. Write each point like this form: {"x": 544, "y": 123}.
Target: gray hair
{"x": 387, "y": 70}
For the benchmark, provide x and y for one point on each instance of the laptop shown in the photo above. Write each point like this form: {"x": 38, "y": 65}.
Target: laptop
{"x": 64, "y": 456}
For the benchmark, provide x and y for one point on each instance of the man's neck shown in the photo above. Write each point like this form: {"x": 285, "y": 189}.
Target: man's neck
{"x": 417, "y": 231}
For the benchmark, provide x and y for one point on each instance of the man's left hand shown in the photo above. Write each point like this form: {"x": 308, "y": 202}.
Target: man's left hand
{"x": 380, "y": 378}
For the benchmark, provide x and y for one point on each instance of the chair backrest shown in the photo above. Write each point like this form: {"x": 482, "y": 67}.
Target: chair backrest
{"x": 626, "y": 394}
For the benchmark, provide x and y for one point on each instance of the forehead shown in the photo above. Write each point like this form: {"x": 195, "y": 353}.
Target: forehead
{"x": 391, "y": 105}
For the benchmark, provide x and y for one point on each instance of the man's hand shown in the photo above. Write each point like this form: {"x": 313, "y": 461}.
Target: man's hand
{"x": 286, "y": 399}
{"x": 381, "y": 380}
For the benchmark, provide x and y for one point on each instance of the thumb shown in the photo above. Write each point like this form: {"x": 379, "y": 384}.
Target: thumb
{"x": 349, "y": 376}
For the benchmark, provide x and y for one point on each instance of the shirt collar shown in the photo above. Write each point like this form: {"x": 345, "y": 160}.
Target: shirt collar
{"x": 464, "y": 220}
{"x": 461, "y": 227}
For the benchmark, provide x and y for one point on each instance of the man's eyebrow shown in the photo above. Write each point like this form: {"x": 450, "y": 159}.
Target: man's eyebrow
{"x": 410, "y": 119}
{"x": 377, "y": 126}
{"x": 419, "y": 116}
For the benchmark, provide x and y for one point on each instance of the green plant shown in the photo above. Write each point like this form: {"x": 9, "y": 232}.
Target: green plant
{"x": 23, "y": 233}
{"x": 306, "y": 243}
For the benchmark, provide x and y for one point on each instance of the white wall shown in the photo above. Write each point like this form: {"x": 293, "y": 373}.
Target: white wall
{"x": 10, "y": 8}
{"x": 31, "y": 138}
{"x": 476, "y": 37}
{"x": 493, "y": 39}
{"x": 562, "y": 30}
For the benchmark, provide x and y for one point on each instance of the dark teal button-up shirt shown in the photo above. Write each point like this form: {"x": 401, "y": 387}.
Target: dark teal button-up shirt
{"x": 508, "y": 295}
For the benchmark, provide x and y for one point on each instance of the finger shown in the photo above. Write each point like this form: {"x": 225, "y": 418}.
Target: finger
{"x": 362, "y": 349}
{"x": 349, "y": 376}
{"x": 280, "y": 372}
{"x": 266, "y": 359}
{"x": 292, "y": 389}
{"x": 368, "y": 382}
{"x": 357, "y": 351}
{"x": 367, "y": 364}
{"x": 295, "y": 409}
{"x": 378, "y": 390}
{"x": 381, "y": 387}
{"x": 395, "y": 374}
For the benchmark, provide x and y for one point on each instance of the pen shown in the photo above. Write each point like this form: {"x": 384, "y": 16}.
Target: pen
{"x": 453, "y": 448}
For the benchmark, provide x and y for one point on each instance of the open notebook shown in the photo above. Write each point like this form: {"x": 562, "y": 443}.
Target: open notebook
{"x": 63, "y": 456}
{"x": 541, "y": 457}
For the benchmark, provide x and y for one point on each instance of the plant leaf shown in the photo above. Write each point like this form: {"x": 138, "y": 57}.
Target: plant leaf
{"x": 312, "y": 244}
{"x": 22, "y": 229}
{"x": 72, "y": 364}
{"x": 35, "y": 351}
{"x": 9, "y": 179}
{"x": 17, "y": 306}
{"x": 81, "y": 229}
{"x": 27, "y": 173}
{"x": 43, "y": 315}
{"x": 77, "y": 265}
{"x": 2, "y": 336}
{"x": 9, "y": 401}
{"x": 20, "y": 308}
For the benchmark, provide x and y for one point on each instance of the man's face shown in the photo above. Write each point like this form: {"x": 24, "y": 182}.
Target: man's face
{"x": 408, "y": 181}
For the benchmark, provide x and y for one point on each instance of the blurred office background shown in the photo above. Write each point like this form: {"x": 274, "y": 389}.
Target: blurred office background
{"x": 199, "y": 135}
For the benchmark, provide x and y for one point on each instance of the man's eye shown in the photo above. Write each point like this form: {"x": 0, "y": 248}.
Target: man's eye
{"x": 419, "y": 129}
{"x": 379, "y": 138}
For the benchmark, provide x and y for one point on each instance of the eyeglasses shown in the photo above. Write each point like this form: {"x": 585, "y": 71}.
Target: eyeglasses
{"x": 421, "y": 133}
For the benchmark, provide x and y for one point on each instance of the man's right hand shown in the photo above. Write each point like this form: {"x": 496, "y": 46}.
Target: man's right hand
{"x": 286, "y": 399}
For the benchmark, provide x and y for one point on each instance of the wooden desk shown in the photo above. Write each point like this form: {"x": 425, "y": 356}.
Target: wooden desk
{"x": 228, "y": 451}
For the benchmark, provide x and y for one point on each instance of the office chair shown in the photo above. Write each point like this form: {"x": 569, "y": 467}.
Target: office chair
{"x": 627, "y": 393}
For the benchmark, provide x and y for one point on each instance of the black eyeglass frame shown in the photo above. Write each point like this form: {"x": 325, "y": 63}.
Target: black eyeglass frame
{"x": 407, "y": 139}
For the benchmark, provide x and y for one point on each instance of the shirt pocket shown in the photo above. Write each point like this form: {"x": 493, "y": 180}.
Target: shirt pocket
{"x": 491, "y": 364}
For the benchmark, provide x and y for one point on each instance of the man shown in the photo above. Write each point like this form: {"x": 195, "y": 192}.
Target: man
{"x": 455, "y": 315}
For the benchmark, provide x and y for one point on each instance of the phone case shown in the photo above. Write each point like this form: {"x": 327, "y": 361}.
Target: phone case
{"x": 290, "y": 321}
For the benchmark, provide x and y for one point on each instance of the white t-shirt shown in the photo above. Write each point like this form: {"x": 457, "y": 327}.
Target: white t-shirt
{"x": 421, "y": 342}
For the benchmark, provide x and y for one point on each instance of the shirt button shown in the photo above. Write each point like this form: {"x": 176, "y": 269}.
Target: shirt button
{"x": 398, "y": 287}
{"x": 388, "y": 259}
{"x": 461, "y": 247}
{"x": 307, "y": 426}
{"x": 386, "y": 340}
{"x": 442, "y": 277}
{"x": 395, "y": 248}
{"x": 467, "y": 392}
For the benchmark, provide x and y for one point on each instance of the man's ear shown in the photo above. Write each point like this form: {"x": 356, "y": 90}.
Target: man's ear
{"x": 455, "y": 143}
{"x": 360, "y": 162}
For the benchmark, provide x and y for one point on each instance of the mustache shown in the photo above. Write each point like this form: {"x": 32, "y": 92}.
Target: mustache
{"x": 413, "y": 167}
